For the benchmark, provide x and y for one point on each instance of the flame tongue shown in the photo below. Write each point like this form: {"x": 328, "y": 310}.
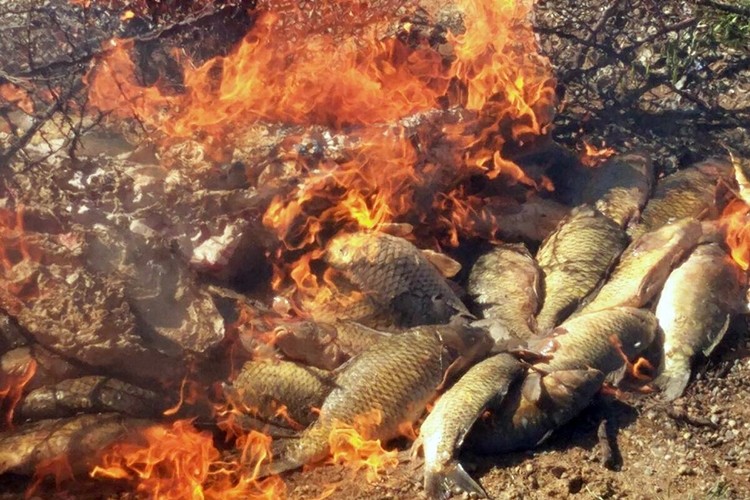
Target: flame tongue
{"x": 178, "y": 462}
{"x": 736, "y": 223}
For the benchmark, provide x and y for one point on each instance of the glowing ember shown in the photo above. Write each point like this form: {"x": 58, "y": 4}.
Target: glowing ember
{"x": 593, "y": 156}
{"x": 11, "y": 388}
{"x": 736, "y": 223}
{"x": 181, "y": 462}
{"x": 351, "y": 449}
{"x": 16, "y": 96}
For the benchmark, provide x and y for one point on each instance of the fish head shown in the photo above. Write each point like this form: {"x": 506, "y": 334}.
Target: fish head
{"x": 634, "y": 340}
{"x": 310, "y": 342}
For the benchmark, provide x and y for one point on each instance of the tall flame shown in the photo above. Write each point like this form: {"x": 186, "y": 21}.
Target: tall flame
{"x": 350, "y": 448}
{"x": 180, "y": 462}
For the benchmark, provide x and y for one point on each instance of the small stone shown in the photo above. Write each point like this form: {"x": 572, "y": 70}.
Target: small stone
{"x": 686, "y": 436}
{"x": 529, "y": 468}
{"x": 684, "y": 470}
{"x": 533, "y": 483}
{"x": 575, "y": 484}
{"x": 732, "y": 423}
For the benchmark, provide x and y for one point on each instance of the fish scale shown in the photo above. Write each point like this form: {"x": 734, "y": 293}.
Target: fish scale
{"x": 645, "y": 265}
{"x": 505, "y": 285}
{"x": 690, "y": 192}
{"x": 598, "y": 340}
{"x": 397, "y": 377}
{"x": 397, "y": 281}
{"x": 574, "y": 259}
{"x": 695, "y": 318}
{"x": 445, "y": 428}
{"x": 266, "y": 385}
{"x": 533, "y": 409}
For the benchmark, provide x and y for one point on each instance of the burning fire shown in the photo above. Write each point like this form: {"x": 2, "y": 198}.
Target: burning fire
{"x": 16, "y": 96}
{"x": 12, "y": 384}
{"x": 420, "y": 127}
{"x": 593, "y": 156}
{"x": 371, "y": 87}
{"x": 351, "y": 449}
{"x": 179, "y": 462}
{"x": 736, "y": 223}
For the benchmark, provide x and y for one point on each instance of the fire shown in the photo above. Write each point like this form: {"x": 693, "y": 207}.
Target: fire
{"x": 178, "y": 461}
{"x": 351, "y": 449}
{"x": 16, "y": 96}
{"x": 735, "y": 221}
{"x": 17, "y": 253}
{"x": 593, "y": 156}
{"x": 12, "y": 384}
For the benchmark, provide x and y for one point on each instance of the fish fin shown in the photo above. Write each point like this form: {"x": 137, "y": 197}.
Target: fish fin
{"x": 447, "y": 266}
{"x": 400, "y": 229}
{"x": 438, "y": 485}
{"x": 532, "y": 387}
{"x": 673, "y": 385}
{"x": 416, "y": 446}
{"x": 544, "y": 438}
{"x": 716, "y": 339}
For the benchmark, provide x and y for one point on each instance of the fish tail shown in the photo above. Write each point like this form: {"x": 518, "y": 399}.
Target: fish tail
{"x": 438, "y": 484}
{"x": 674, "y": 378}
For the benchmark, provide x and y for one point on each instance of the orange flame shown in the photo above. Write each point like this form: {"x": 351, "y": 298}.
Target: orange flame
{"x": 11, "y": 387}
{"x": 735, "y": 221}
{"x": 58, "y": 467}
{"x": 16, "y": 96}
{"x": 593, "y": 156}
{"x": 410, "y": 121}
{"x": 178, "y": 462}
{"x": 351, "y": 449}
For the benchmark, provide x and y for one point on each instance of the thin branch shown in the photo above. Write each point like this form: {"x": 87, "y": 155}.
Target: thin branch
{"x": 732, "y": 9}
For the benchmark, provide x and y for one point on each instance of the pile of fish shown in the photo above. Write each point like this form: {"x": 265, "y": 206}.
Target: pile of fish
{"x": 539, "y": 333}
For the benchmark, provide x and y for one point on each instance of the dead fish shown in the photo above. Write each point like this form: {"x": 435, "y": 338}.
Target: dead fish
{"x": 278, "y": 391}
{"x": 90, "y": 394}
{"x": 532, "y": 220}
{"x": 620, "y": 187}
{"x": 645, "y": 265}
{"x": 599, "y": 340}
{"x": 324, "y": 345}
{"x": 690, "y": 192}
{"x": 443, "y": 431}
{"x": 393, "y": 276}
{"x": 79, "y": 439}
{"x": 574, "y": 259}
{"x": 698, "y": 301}
{"x": 394, "y": 379}
{"x": 505, "y": 283}
{"x": 741, "y": 167}
{"x": 533, "y": 410}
